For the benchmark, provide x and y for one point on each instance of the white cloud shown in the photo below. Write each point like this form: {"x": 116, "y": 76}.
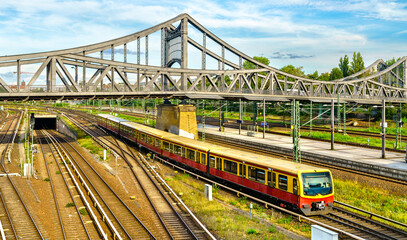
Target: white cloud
{"x": 261, "y": 27}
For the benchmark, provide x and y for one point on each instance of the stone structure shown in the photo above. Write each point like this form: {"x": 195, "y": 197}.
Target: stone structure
{"x": 177, "y": 119}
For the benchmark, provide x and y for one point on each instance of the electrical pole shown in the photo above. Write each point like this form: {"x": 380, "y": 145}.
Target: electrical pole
{"x": 296, "y": 132}
{"x": 344, "y": 118}
{"x": 310, "y": 119}
{"x": 264, "y": 118}
{"x": 240, "y": 115}
{"x": 203, "y": 121}
{"x": 383, "y": 129}
{"x": 332, "y": 123}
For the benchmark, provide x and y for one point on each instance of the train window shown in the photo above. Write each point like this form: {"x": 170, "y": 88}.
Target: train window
{"x": 211, "y": 161}
{"x": 242, "y": 170}
{"x": 219, "y": 163}
{"x": 274, "y": 180}
{"x": 282, "y": 182}
{"x": 177, "y": 150}
{"x": 260, "y": 175}
{"x": 143, "y": 137}
{"x": 191, "y": 154}
{"x": 203, "y": 158}
{"x": 149, "y": 140}
{"x": 269, "y": 182}
{"x": 257, "y": 174}
{"x": 157, "y": 143}
{"x": 183, "y": 152}
{"x": 295, "y": 187}
{"x": 229, "y": 166}
{"x": 166, "y": 146}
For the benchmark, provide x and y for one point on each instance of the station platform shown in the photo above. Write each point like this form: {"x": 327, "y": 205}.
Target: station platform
{"x": 358, "y": 158}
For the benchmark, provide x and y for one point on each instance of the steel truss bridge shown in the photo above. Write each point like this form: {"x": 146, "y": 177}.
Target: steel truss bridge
{"x": 86, "y": 73}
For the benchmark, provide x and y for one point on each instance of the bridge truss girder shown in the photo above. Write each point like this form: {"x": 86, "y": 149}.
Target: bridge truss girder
{"x": 103, "y": 78}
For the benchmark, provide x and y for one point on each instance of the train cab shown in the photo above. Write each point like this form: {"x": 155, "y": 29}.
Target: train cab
{"x": 317, "y": 191}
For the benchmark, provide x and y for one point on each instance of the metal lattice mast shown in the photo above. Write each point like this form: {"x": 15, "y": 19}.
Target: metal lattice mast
{"x": 296, "y": 149}
{"x": 344, "y": 118}
{"x": 310, "y": 121}
{"x": 203, "y": 120}
{"x": 338, "y": 115}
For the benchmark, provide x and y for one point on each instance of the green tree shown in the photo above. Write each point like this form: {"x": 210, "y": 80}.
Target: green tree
{"x": 250, "y": 65}
{"x": 357, "y": 63}
{"x": 315, "y": 75}
{"x": 324, "y": 77}
{"x": 344, "y": 65}
{"x": 390, "y": 62}
{"x": 336, "y": 73}
{"x": 297, "y": 71}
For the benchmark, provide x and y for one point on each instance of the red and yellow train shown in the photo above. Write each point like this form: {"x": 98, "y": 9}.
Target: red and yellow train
{"x": 298, "y": 186}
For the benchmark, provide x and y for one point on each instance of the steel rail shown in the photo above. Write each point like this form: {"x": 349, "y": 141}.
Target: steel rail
{"x": 127, "y": 162}
{"x": 53, "y": 190}
{"x": 72, "y": 175}
{"x": 151, "y": 179}
{"x": 371, "y": 215}
{"x": 11, "y": 181}
{"x": 8, "y": 216}
{"x": 57, "y": 138}
{"x": 69, "y": 190}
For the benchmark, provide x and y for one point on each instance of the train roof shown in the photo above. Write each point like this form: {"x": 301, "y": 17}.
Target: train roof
{"x": 113, "y": 118}
{"x": 147, "y": 130}
{"x": 266, "y": 162}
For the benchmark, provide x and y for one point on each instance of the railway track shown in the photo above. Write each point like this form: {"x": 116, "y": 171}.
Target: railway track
{"x": 72, "y": 223}
{"x": 360, "y": 225}
{"x": 180, "y": 224}
{"x": 17, "y": 219}
{"x": 124, "y": 222}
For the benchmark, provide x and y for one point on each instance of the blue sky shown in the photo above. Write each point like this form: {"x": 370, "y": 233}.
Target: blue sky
{"x": 312, "y": 34}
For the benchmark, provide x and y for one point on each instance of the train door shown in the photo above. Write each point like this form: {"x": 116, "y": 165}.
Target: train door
{"x": 242, "y": 170}
{"x": 207, "y": 162}
{"x": 295, "y": 186}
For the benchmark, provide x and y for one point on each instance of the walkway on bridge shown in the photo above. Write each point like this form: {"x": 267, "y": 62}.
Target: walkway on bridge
{"x": 357, "y": 157}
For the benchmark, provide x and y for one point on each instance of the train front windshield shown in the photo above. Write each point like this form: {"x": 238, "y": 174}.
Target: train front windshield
{"x": 317, "y": 183}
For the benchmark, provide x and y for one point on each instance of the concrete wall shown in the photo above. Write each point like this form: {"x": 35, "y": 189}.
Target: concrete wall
{"x": 64, "y": 129}
{"x": 177, "y": 119}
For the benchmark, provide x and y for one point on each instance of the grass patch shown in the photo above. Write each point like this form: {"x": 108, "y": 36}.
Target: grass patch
{"x": 379, "y": 201}
{"x": 70, "y": 204}
{"x": 226, "y": 223}
{"x": 58, "y": 172}
{"x": 83, "y": 211}
{"x": 47, "y": 179}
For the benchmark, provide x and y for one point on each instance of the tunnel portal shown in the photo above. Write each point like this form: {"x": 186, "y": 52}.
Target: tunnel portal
{"x": 48, "y": 121}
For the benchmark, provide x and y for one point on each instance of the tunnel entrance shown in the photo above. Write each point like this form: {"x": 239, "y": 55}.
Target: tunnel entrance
{"x": 48, "y": 121}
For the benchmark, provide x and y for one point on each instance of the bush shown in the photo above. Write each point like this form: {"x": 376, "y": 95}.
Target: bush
{"x": 70, "y": 204}
{"x": 47, "y": 179}
{"x": 252, "y": 231}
